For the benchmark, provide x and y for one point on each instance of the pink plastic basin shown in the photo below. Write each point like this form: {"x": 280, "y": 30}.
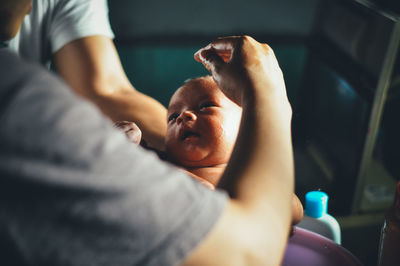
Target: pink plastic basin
{"x": 306, "y": 248}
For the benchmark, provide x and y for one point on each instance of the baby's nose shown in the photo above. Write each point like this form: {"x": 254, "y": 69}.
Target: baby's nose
{"x": 187, "y": 116}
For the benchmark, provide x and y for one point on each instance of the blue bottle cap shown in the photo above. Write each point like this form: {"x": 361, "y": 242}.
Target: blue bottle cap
{"x": 316, "y": 204}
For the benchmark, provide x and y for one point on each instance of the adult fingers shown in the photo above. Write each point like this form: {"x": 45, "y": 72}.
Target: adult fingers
{"x": 228, "y": 47}
{"x": 211, "y": 60}
{"x": 223, "y": 46}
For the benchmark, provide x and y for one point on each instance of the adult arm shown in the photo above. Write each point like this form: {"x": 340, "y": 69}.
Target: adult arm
{"x": 76, "y": 192}
{"x": 91, "y": 66}
{"x": 260, "y": 175}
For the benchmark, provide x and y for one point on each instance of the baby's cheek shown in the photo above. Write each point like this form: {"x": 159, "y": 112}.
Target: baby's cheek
{"x": 169, "y": 137}
{"x": 169, "y": 145}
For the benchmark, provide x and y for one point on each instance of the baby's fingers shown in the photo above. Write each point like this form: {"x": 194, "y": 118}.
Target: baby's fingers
{"x": 131, "y": 130}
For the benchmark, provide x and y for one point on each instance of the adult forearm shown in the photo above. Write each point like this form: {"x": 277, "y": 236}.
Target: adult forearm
{"x": 131, "y": 105}
{"x": 91, "y": 67}
{"x": 260, "y": 175}
{"x": 260, "y": 172}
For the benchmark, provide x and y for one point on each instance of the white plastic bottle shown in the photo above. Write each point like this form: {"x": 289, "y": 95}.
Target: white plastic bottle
{"x": 317, "y": 219}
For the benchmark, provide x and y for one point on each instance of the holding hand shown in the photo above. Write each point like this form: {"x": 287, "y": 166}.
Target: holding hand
{"x": 241, "y": 65}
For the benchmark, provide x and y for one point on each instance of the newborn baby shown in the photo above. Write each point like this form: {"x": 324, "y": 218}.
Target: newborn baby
{"x": 202, "y": 128}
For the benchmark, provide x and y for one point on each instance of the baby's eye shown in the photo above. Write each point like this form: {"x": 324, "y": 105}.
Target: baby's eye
{"x": 172, "y": 117}
{"x": 207, "y": 104}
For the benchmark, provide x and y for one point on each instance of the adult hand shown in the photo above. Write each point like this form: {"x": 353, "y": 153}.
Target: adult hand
{"x": 240, "y": 65}
{"x": 131, "y": 130}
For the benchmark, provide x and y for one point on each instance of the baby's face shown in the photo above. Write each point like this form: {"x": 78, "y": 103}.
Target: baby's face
{"x": 202, "y": 125}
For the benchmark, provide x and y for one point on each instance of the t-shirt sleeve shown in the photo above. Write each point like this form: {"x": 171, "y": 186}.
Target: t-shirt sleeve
{"x": 74, "y": 19}
{"x": 74, "y": 191}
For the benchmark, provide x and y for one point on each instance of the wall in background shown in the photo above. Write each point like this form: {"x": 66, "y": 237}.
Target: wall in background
{"x": 156, "y": 39}
{"x": 159, "y": 70}
{"x": 211, "y": 17}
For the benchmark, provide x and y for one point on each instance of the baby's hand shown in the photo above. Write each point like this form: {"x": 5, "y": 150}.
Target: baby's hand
{"x": 297, "y": 210}
{"x": 132, "y": 131}
{"x": 297, "y": 213}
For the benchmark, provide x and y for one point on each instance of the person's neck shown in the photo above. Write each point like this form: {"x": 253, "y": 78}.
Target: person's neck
{"x": 210, "y": 173}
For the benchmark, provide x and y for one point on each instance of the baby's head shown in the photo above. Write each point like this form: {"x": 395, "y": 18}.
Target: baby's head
{"x": 202, "y": 124}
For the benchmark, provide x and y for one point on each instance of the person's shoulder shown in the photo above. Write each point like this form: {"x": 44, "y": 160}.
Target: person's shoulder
{"x": 17, "y": 74}
{"x": 12, "y": 65}
{"x": 9, "y": 55}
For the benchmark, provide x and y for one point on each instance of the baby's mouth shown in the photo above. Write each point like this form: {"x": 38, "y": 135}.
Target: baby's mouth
{"x": 189, "y": 135}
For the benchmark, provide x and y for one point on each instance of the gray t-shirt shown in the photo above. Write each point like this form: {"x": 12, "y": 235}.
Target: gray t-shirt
{"x": 74, "y": 191}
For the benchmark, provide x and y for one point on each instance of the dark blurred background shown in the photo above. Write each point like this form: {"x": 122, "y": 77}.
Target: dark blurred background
{"x": 157, "y": 39}
{"x": 342, "y": 69}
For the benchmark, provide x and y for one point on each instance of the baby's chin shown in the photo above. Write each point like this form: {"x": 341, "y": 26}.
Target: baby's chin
{"x": 200, "y": 163}
{"x": 187, "y": 158}
{"x": 196, "y": 157}
{"x": 191, "y": 163}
